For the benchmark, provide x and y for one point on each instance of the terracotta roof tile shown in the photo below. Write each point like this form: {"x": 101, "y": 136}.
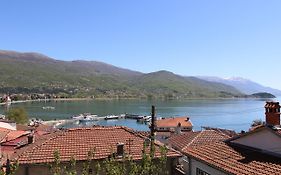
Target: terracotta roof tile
{"x": 179, "y": 141}
{"x": 191, "y": 139}
{"x": 173, "y": 122}
{"x": 143, "y": 133}
{"x": 16, "y": 134}
{"x": 8, "y": 135}
{"x": 3, "y": 135}
{"x": 228, "y": 132}
{"x": 4, "y": 129}
{"x": 78, "y": 142}
{"x": 235, "y": 160}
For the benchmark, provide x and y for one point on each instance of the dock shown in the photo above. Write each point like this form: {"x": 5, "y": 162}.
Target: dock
{"x": 56, "y": 123}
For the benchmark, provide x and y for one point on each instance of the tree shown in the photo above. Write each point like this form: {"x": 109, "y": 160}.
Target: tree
{"x": 71, "y": 169}
{"x": 149, "y": 164}
{"x": 18, "y": 115}
{"x": 56, "y": 166}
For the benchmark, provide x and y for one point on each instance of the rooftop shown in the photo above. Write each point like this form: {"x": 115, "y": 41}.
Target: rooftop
{"x": 173, "y": 122}
{"x": 8, "y": 135}
{"x": 79, "y": 141}
{"x": 228, "y": 132}
{"x": 235, "y": 160}
{"x": 191, "y": 139}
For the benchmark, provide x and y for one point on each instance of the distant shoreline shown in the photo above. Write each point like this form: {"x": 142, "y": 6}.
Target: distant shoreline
{"x": 104, "y": 98}
{"x": 42, "y": 100}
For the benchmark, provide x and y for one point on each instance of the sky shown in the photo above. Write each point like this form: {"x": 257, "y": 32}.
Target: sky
{"x": 224, "y": 38}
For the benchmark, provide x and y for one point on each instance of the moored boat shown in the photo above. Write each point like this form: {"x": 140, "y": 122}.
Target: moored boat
{"x": 48, "y": 107}
{"x": 85, "y": 117}
{"x": 144, "y": 119}
{"x": 111, "y": 117}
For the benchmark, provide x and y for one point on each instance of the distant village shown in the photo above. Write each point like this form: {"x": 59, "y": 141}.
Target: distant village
{"x": 211, "y": 151}
{"x": 23, "y": 97}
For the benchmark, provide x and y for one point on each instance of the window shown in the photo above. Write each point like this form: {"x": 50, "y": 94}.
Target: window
{"x": 201, "y": 172}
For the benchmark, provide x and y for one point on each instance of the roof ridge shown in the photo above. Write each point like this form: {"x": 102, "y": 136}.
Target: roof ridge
{"x": 94, "y": 128}
{"x": 5, "y": 137}
{"x": 55, "y": 135}
{"x": 192, "y": 140}
{"x": 132, "y": 131}
{"x": 159, "y": 144}
{"x": 223, "y": 134}
{"x": 218, "y": 132}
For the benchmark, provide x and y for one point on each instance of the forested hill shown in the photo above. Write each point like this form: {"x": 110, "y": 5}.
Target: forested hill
{"x": 37, "y": 73}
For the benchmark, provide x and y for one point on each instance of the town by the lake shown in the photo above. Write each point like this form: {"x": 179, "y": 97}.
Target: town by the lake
{"x": 140, "y": 87}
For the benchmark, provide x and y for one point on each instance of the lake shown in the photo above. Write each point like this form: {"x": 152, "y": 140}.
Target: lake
{"x": 235, "y": 114}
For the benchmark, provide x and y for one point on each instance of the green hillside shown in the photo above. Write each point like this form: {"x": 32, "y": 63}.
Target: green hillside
{"x": 36, "y": 73}
{"x": 170, "y": 85}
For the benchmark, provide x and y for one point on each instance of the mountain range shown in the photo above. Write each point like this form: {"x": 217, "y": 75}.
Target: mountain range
{"x": 243, "y": 85}
{"x": 36, "y": 73}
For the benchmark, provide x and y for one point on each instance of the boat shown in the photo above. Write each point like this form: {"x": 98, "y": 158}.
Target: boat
{"x": 85, "y": 117}
{"x": 48, "y": 107}
{"x": 111, "y": 117}
{"x": 122, "y": 115}
{"x": 133, "y": 116}
{"x": 77, "y": 117}
{"x": 144, "y": 119}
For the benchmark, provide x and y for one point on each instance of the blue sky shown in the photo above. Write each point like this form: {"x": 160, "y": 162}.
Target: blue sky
{"x": 197, "y": 37}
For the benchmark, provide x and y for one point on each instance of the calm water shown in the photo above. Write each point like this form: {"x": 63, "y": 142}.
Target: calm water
{"x": 236, "y": 114}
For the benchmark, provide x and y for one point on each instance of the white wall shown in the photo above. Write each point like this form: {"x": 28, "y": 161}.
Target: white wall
{"x": 196, "y": 164}
{"x": 11, "y": 126}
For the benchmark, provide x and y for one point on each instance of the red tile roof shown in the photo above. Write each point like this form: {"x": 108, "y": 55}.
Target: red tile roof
{"x": 235, "y": 160}
{"x": 228, "y": 132}
{"x": 79, "y": 141}
{"x": 3, "y": 135}
{"x": 173, "y": 122}
{"x": 191, "y": 139}
{"x": 16, "y": 134}
{"x": 8, "y": 135}
{"x": 144, "y": 133}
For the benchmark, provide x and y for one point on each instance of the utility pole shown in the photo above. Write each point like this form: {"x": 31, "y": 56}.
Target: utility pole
{"x": 8, "y": 167}
{"x": 152, "y": 127}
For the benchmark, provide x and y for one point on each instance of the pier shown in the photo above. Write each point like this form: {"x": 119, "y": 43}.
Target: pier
{"x": 91, "y": 118}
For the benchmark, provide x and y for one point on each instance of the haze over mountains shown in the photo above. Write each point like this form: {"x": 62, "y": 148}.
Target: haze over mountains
{"x": 244, "y": 85}
{"x": 37, "y": 73}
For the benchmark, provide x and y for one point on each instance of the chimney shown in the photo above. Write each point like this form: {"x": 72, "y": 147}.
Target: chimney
{"x": 30, "y": 139}
{"x": 120, "y": 149}
{"x": 272, "y": 113}
{"x": 178, "y": 128}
